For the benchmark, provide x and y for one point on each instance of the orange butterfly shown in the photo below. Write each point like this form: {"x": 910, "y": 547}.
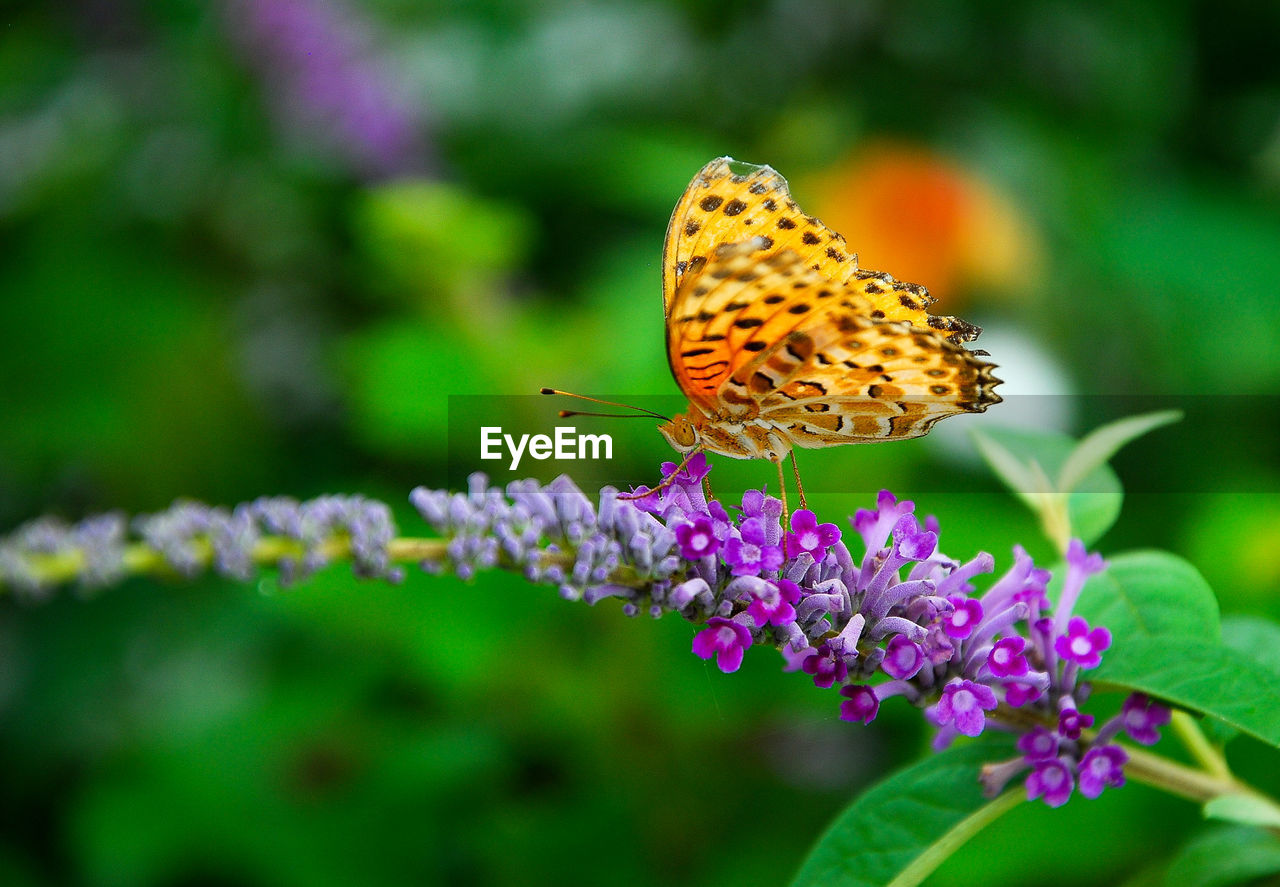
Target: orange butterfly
{"x": 779, "y": 340}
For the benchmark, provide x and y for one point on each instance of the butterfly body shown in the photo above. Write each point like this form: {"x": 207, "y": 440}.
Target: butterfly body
{"x": 780, "y": 340}
{"x": 736, "y": 437}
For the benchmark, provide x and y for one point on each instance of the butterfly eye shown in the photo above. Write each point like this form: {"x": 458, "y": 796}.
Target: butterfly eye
{"x": 680, "y": 433}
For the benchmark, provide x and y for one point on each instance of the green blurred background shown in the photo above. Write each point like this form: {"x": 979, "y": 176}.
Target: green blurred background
{"x": 252, "y": 246}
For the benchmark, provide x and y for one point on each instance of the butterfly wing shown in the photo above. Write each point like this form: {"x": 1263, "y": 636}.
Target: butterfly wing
{"x": 867, "y": 381}
{"x": 738, "y": 310}
{"x": 733, "y": 202}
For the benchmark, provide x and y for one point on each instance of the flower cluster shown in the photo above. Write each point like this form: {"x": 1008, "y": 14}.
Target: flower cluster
{"x": 904, "y": 619}
{"x": 191, "y": 537}
{"x": 555, "y": 534}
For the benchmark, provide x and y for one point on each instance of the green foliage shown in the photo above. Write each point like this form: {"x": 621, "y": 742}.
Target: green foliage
{"x": 896, "y": 824}
{"x": 1167, "y": 643}
{"x": 1223, "y": 856}
{"x": 1067, "y": 484}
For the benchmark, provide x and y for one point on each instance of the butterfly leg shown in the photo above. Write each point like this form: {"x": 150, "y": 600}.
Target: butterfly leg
{"x": 795, "y": 469}
{"x": 668, "y": 481}
{"x": 706, "y": 487}
{"x": 782, "y": 491}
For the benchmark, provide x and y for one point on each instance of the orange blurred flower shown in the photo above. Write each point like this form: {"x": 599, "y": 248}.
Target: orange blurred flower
{"x": 924, "y": 219}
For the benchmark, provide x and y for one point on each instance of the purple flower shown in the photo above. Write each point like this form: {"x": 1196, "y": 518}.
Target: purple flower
{"x": 1033, "y": 595}
{"x": 910, "y": 542}
{"x": 793, "y": 658}
{"x": 645, "y": 499}
{"x": 1017, "y": 695}
{"x": 1071, "y": 722}
{"x": 693, "y": 472}
{"x": 757, "y": 503}
{"x": 1142, "y": 718}
{"x": 1079, "y": 558}
{"x": 1050, "y": 780}
{"x": 874, "y": 526}
{"x": 748, "y": 553}
{"x": 1080, "y": 566}
{"x": 697, "y": 538}
{"x": 317, "y": 59}
{"x": 860, "y": 704}
{"x": 960, "y": 622}
{"x": 720, "y": 522}
{"x": 809, "y": 535}
{"x": 1102, "y": 766}
{"x": 962, "y": 704}
{"x": 1006, "y": 659}
{"x": 775, "y": 604}
{"x": 1082, "y": 646}
{"x": 826, "y": 666}
{"x": 1041, "y": 744}
{"x": 903, "y": 658}
{"x": 725, "y": 639}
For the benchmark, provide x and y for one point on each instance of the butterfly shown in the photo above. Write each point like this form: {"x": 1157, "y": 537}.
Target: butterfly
{"x": 780, "y": 340}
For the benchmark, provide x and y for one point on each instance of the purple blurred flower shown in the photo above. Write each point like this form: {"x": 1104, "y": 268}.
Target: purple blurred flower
{"x": 1040, "y": 744}
{"x": 775, "y": 603}
{"x": 1142, "y": 717}
{"x": 726, "y": 640}
{"x": 316, "y": 62}
{"x": 967, "y": 613}
{"x": 1080, "y": 645}
{"x": 1071, "y": 722}
{"x": 1050, "y": 780}
{"x": 1102, "y": 766}
{"x": 963, "y": 704}
{"x": 860, "y": 704}
{"x": 1006, "y": 658}
{"x": 1018, "y": 695}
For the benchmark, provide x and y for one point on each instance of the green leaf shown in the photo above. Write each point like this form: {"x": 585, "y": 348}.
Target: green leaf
{"x": 1201, "y": 676}
{"x": 1224, "y": 856}
{"x": 1244, "y": 809}
{"x": 1151, "y": 594}
{"x": 908, "y": 824}
{"x": 1255, "y": 637}
{"x": 1099, "y": 445}
{"x": 1167, "y": 643}
{"x": 1092, "y": 514}
{"x": 1017, "y": 476}
{"x": 1022, "y": 458}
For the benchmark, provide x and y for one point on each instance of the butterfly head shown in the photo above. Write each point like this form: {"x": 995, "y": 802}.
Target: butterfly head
{"x": 681, "y": 433}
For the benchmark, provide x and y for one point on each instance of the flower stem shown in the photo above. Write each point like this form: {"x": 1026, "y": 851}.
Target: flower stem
{"x": 959, "y": 834}
{"x": 1193, "y": 738}
{"x": 1178, "y": 779}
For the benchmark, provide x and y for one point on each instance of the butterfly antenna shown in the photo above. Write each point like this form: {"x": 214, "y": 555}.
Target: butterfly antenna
{"x": 566, "y": 414}
{"x": 639, "y": 411}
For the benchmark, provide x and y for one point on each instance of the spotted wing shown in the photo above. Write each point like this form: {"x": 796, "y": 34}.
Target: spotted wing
{"x": 733, "y": 202}
{"x": 865, "y": 380}
{"x": 740, "y": 308}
